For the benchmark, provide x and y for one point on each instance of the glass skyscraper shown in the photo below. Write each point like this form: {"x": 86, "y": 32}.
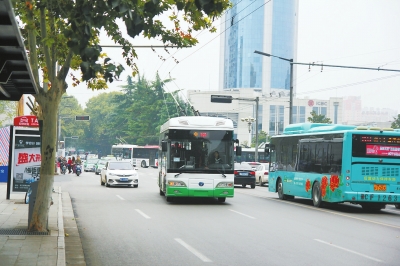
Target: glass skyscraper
{"x": 270, "y": 27}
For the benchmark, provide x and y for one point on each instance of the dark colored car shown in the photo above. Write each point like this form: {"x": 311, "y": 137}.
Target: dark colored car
{"x": 244, "y": 175}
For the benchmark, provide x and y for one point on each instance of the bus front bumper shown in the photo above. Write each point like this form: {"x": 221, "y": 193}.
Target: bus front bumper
{"x": 210, "y": 193}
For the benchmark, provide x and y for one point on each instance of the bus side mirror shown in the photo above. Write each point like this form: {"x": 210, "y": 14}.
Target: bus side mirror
{"x": 238, "y": 151}
{"x": 164, "y": 146}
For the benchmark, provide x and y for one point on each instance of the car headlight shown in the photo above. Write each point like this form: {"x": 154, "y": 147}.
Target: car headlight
{"x": 111, "y": 173}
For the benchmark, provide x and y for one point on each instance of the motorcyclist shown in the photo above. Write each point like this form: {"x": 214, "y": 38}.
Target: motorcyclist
{"x": 78, "y": 161}
{"x": 69, "y": 162}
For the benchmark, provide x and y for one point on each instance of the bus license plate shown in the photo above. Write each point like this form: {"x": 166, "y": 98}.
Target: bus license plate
{"x": 123, "y": 179}
{"x": 379, "y": 187}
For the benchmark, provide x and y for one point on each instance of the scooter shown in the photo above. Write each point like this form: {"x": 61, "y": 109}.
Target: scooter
{"x": 78, "y": 169}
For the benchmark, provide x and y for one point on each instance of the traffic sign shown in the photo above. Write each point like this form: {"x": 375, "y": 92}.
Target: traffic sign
{"x": 82, "y": 118}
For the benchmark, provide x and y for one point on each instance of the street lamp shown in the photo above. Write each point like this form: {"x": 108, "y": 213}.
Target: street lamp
{"x": 291, "y": 82}
{"x": 249, "y": 120}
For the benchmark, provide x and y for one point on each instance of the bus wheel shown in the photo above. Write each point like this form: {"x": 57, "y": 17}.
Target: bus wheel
{"x": 143, "y": 164}
{"x": 316, "y": 195}
{"x": 221, "y": 199}
{"x": 170, "y": 199}
{"x": 397, "y": 206}
{"x": 280, "y": 190}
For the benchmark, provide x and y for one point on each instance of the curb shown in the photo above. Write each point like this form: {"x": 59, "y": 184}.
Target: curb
{"x": 61, "y": 234}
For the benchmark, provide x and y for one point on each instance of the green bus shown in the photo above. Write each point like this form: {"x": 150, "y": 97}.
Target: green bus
{"x": 336, "y": 163}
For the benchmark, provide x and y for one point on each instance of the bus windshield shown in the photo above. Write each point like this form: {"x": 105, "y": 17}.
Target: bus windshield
{"x": 192, "y": 150}
{"x": 124, "y": 153}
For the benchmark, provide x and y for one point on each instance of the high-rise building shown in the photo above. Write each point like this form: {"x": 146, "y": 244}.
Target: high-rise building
{"x": 267, "y": 26}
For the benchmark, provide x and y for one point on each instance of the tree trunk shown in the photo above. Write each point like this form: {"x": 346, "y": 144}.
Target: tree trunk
{"x": 49, "y": 103}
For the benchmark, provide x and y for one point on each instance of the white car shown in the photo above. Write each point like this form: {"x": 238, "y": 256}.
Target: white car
{"x": 262, "y": 173}
{"x": 117, "y": 173}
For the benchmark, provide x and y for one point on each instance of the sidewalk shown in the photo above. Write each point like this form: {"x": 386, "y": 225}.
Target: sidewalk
{"x": 61, "y": 246}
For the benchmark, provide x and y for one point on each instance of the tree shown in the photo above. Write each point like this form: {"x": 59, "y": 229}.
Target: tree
{"x": 396, "y": 122}
{"x": 318, "y": 118}
{"x": 262, "y": 137}
{"x": 64, "y": 35}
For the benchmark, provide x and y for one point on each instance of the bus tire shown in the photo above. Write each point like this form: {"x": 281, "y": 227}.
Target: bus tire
{"x": 316, "y": 195}
{"x": 221, "y": 199}
{"x": 170, "y": 199}
{"x": 397, "y": 206}
{"x": 143, "y": 164}
{"x": 279, "y": 187}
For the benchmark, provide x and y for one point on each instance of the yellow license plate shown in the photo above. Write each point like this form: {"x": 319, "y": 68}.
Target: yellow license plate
{"x": 378, "y": 187}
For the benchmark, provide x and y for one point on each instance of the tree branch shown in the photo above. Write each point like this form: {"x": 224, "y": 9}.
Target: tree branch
{"x": 45, "y": 47}
{"x": 33, "y": 57}
{"x": 53, "y": 45}
{"x": 65, "y": 68}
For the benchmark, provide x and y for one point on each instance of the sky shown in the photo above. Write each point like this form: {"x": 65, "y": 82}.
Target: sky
{"x": 362, "y": 33}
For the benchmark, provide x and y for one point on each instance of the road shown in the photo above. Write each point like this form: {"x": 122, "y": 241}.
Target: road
{"x": 136, "y": 226}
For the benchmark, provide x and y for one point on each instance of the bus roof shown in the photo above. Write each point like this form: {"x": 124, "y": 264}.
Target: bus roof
{"x": 198, "y": 122}
{"x": 304, "y": 128}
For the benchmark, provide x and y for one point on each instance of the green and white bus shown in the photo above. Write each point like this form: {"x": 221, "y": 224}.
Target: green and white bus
{"x": 336, "y": 163}
{"x": 186, "y": 158}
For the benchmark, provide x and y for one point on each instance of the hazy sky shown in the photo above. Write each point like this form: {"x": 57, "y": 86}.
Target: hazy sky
{"x": 362, "y": 33}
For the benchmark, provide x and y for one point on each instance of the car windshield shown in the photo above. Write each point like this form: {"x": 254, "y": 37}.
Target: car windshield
{"x": 120, "y": 166}
{"x": 243, "y": 166}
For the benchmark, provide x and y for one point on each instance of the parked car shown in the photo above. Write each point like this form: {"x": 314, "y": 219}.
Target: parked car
{"x": 253, "y": 165}
{"x": 100, "y": 165}
{"x": 119, "y": 173}
{"x": 244, "y": 175}
{"x": 89, "y": 165}
{"x": 262, "y": 173}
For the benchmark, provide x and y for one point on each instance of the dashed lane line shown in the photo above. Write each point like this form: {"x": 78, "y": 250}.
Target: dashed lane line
{"x": 348, "y": 250}
{"x": 194, "y": 251}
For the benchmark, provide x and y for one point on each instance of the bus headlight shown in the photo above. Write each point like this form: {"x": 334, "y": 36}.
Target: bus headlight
{"x": 225, "y": 184}
{"x": 176, "y": 184}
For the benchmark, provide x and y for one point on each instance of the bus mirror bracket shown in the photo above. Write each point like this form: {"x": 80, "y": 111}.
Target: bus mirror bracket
{"x": 164, "y": 146}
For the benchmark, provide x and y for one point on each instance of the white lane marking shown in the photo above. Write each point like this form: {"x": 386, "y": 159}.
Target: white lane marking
{"x": 121, "y": 198}
{"x": 142, "y": 213}
{"x": 194, "y": 251}
{"x": 243, "y": 214}
{"x": 322, "y": 210}
{"x": 349, "y": 250}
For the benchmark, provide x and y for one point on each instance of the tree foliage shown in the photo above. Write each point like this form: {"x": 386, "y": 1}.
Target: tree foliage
{"x": 64, "y": 35}
{"x": 134, "y": 115}
{"x": 396, "y": 122}
{"x": 314, "y": 118}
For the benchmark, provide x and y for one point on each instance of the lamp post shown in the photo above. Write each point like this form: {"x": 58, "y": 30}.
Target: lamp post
{"x": 249, "y": 120}
{"x": 291, "y": 82}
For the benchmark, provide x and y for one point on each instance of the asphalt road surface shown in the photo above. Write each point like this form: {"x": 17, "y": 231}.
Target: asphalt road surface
{"x": 136, "y": 226}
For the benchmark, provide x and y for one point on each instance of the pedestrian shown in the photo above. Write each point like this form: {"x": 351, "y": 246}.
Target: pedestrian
{"x": 73, "y": 164}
